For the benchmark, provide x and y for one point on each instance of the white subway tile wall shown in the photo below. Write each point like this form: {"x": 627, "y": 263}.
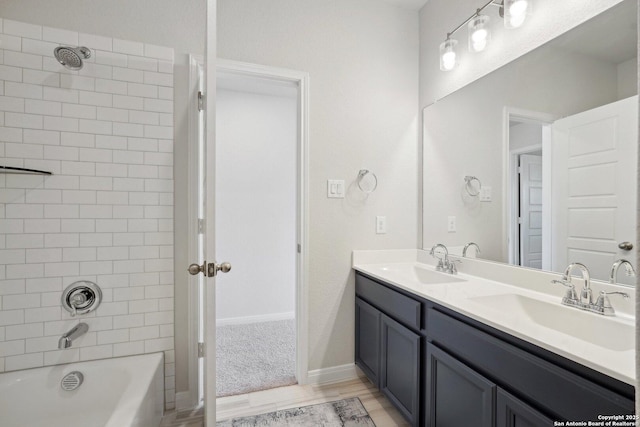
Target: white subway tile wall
{"x": 106, "y": 215}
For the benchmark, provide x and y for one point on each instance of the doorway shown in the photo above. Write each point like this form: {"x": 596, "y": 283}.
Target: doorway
{"x": 528, "y": 139}
{"x": 256, "y": 175}
{"x": 261, "y": 219}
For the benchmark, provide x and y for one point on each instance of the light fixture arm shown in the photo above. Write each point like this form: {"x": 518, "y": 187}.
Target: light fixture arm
{"x": 478, "y": 11}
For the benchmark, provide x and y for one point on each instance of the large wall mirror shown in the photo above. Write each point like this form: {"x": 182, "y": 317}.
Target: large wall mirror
{"x": 548, "y": 145}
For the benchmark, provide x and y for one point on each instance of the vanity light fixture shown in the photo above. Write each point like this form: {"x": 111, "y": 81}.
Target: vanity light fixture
{"x": 448, "y": 57}
{"x": 514, "y": 13}
{"x": 479, "y": 33}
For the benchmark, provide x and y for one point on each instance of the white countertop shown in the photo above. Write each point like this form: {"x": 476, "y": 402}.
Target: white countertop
{"x": 616, "y": 359}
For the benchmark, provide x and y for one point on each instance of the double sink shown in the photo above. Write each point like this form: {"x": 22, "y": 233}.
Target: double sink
{"x": 536, "y": 316}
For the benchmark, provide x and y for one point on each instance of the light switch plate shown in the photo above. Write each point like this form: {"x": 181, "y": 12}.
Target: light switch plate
{"x": 381, "y": 225}
{"x": 486, "y": 194}
{"x": 335, "y": 188}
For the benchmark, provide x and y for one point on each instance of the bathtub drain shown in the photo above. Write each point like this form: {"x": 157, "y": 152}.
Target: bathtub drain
{"x": 72, "y": 381}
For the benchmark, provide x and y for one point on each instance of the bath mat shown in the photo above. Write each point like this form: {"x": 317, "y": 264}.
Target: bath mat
{"x": 255, "y": 356}
{"x": 341, "y": 413}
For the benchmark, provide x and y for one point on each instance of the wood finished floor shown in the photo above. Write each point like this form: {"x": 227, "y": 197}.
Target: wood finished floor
{"x": 379, "y": 408}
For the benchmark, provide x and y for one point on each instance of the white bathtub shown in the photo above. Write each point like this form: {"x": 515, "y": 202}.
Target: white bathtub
{"x": 119, "y": 392}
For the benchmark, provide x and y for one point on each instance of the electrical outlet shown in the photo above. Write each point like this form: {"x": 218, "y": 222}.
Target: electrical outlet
{"x": 381, "y": 225}
{"x": 451, "y": 224}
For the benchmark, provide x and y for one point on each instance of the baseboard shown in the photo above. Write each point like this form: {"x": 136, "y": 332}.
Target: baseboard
{"x": 334, "y": 374}
{"x": 255, "y": 319}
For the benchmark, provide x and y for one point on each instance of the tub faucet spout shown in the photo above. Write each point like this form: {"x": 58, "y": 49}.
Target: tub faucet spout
{"x": 66, "y": 340}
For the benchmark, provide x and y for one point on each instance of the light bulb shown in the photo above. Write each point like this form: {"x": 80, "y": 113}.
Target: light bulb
{"x": 516, "y": 12}
{"x": 516, "y": 21}
{"x": 448, "y": 57}
{"x": 449, "y": 60}
{"x": 519, "y": 7}
{"x": 479, "y": 40}
{"x": 479, "y": 34}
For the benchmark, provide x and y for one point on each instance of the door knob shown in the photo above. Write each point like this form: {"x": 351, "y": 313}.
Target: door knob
{"x": 210, "y": 269}
{"x": 194, "y": 269}
{"x": 225, "y": 267}
{"x": 626, "y": 246}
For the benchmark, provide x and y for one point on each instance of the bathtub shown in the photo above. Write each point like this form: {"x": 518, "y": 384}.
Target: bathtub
{"x": 119, "y": 392}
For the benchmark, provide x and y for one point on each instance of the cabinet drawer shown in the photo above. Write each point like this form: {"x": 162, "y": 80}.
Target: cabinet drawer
{"x": 554, "y": 389}
{"x": 396, "y": 305}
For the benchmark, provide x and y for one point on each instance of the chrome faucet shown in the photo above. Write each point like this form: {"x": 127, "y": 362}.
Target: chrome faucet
{"x": 66, "y": 340}
{"x": 443, "y": 263}
{"x": 585, "y": 293}
{"x": 464, "y": 251}
{"x": 629, "y": 270}
{"x": 585, "y": 301}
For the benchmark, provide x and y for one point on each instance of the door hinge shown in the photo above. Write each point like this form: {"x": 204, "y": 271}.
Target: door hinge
{"x": 200, "y": 350}
{"x": 201, "y": 225}
{"x": 520, "y": 170}
{"x": 299, "y": 248}
{"x": 519, "y": 220}
{"x": 200, "y": 101}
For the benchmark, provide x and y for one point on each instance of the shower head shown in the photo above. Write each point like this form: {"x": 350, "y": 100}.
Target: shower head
{"x": 71, "y": 57}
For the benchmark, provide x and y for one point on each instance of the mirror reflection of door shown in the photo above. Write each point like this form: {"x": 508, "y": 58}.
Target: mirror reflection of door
{"x": 530, "y": 203}
{"x": 525, "y": 151}
{"x": 594, "y": 160}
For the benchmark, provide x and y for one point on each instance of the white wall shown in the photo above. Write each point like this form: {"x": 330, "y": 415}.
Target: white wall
{"x": 628, "y": 78}
{"x": 106, "y": 213}
{"x": 362, "y": 56}
{"x": 256, "y": 147}
{"x": 524, "y": 135}
{"x": 180, "y": 25}
{"x": 452, "y": 151}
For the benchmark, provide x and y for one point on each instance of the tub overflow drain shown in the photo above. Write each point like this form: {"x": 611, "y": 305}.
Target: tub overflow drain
{"x": 72, "y": 381}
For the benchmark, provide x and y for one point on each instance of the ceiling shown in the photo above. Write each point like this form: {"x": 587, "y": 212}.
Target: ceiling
{"x": 408, "y": 4}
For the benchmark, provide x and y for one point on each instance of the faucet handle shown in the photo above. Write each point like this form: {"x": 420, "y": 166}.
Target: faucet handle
{"x": 603, "y": 305}
{"x": 571, "y": 294}
{"x": 451, "y": 267}
{"x": 75, "y": 301}
{"x": 563, "y": 282}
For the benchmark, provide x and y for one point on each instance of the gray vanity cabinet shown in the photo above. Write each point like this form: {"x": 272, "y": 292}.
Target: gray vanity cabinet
{"x": 400, "y": 368}
{"x": 440, "y": 368}
{"x": 368, "y": 340}
{"x": 512, "y": 412}
{"x": 459, "y": 396}
{"x": 456, "y": 395}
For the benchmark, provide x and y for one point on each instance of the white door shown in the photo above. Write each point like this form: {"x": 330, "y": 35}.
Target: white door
{"x": 531, "y": 211}
{"x": 210, "y": 267}
{"x": 594, "y": 185}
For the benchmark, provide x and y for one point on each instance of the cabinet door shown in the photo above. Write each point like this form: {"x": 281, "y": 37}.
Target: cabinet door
{"x": 368, "y": 340}
{"x": 456, "y": 394}
{"x": 400, "y": 368}
{"x": 512, "y": 412}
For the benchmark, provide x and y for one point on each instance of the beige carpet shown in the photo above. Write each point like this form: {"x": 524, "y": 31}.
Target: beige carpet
{"x": 255, "y": 356}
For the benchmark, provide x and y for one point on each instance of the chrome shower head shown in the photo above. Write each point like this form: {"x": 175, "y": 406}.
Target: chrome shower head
{"x": 71, "y": 57}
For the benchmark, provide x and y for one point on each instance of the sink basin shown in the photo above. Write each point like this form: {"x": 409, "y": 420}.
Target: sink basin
{"x": 593, "y": 328}
{"x": 421, "y": 275}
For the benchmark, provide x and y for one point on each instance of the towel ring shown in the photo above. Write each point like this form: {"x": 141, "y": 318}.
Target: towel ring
{"x": 367, "y": 185}
{"x": 469, "y": 187}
